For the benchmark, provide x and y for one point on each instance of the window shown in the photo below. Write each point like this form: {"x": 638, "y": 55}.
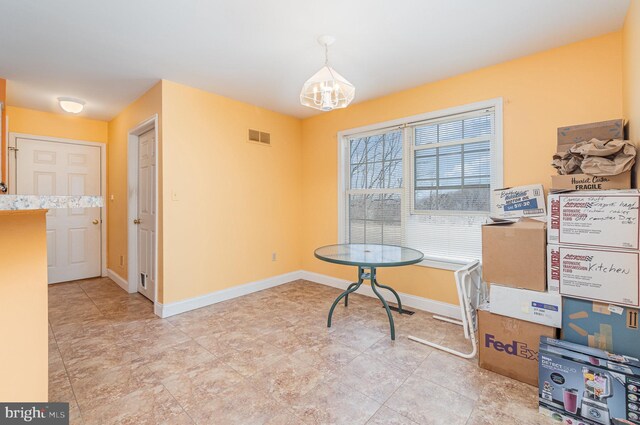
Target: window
{"x": 375, "y": 189}
{"x": 423, "y": 182}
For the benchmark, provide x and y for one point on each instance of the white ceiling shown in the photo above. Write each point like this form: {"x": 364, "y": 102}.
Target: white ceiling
{"x": 109, "y": 52}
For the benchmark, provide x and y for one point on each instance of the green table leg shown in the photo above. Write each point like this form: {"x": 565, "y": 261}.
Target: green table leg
{"x": 379, "y": 285}
{"x": 352, "y": 288}
{"x": 384, "y": 303}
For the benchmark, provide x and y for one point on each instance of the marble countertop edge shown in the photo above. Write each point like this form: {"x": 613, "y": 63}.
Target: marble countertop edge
{"x": 39, "y": 202}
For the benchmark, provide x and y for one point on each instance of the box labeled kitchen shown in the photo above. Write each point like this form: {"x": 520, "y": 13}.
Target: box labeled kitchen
{"x": 609, "y": 327}
{"x": 589, "y": 182}
{"x": 579, "y": 384}
{"x": 609, "y": 276}
{"x": 513, "y": 254}
{"x": 599, "y": 220}
{"x": 533, "y": 306}
{"x": 509, "y": 346}
{"x": 516, "y": 202}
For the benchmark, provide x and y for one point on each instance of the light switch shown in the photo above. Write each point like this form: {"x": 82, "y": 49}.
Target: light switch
{"x": 174, "y": 195}
{"x": 112, "y": 197}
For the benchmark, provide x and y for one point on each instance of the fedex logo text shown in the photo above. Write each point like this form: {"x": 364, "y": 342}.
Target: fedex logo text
{"x": 513, "y": 348}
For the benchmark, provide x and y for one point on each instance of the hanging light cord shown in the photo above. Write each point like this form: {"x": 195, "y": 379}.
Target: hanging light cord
{"x": 326, "y": 54}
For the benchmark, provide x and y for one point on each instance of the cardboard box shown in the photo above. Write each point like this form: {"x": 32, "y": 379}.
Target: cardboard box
{"x": 544, "y": 308}
{"x": 603, "y": 275}
{"x": 510, "y": 346}
{"x": 516, "y": 202}
{"x": 604, "y": 130}
{"x": 607, "y": 327}
{"x": 588, "y": 182}
{"x": 583, "y": 385}
{"x": 591, "y": 219}
{"x": 513, "y": 254}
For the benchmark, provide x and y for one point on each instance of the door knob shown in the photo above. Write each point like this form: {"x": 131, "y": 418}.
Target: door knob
{"x": 136, "y": 221}
{"x": 95, "y": 221}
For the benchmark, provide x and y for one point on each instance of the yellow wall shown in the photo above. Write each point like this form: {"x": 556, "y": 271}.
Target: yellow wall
{"x": 3, "y": 141}
{"x": 142, "y": 109}
{"x": 631, "y": 70}
{"x": 30, "y": 121}
{"x": 237, "y": 202}
{"x": 573, "y": 84}
{"x": 23, "y": 307}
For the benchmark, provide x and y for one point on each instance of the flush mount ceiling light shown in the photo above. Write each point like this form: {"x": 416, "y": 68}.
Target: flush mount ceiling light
{"x": 326, "y": 89}
{"x": 71, "y": 105}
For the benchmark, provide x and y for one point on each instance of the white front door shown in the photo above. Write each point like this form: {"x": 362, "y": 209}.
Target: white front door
{"x": 147, "y": 214}
{"x": 45, "y": 167}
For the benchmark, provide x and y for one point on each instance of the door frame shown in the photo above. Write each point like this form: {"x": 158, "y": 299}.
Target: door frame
{"x": 132, "y": 201}
{"x": 11, "y": 180}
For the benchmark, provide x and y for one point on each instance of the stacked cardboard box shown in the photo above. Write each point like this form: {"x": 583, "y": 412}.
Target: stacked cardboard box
{"x": 594, "y": 261}
{"x": 583, "y": 385}
{"x": 514, "y": 264}
{"x": 570, "y": 135}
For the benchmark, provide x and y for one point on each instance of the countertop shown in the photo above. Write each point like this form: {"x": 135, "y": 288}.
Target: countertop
{"x": 47, "y": 202}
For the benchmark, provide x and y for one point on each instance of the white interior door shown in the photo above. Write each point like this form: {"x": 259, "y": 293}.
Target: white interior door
{"x": 147, "y": 214}
{"x": 45, "y": 167}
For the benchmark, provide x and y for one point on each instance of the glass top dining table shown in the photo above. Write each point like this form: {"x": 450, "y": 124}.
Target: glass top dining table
{"x": 368, "y": 257}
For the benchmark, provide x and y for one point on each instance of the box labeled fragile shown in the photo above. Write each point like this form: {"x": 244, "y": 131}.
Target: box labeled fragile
{"x": 606, "y": 219}
{"x": 589, "y": 182}
{"x": 603, "y": 275}
{"x": 520, "y": 201}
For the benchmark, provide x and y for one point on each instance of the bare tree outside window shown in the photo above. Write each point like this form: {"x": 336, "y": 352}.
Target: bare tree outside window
{"x": 452, "y": 165}
{"x": 376, "y": 164}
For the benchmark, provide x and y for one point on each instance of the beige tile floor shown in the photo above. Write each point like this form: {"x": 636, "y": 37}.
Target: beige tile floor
{"x": 265, "y": 358}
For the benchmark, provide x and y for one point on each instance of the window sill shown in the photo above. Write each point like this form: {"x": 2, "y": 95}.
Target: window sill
{"x": 441, "y": 264}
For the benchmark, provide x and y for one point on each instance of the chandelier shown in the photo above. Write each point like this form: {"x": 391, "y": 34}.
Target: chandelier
{"x": 326, "y": 89}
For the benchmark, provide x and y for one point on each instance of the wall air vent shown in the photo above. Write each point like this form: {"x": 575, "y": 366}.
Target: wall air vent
{"x": 259, "y": 137}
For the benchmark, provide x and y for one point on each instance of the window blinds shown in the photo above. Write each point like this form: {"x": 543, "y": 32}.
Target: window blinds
{"x": 452, "y": 181}
{"x": 425, "y": 185}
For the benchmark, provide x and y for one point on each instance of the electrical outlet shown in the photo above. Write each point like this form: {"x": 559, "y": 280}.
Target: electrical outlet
{"x": 274, "y": 256}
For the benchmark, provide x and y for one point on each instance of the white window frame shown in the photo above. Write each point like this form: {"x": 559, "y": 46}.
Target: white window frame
{"x": 497, "y": 165}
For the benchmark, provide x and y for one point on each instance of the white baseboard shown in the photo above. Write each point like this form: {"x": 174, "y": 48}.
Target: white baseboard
{"x": 420, "y": 303}
{"x": 122, "y": 282}
{"x": 171, "y": 309}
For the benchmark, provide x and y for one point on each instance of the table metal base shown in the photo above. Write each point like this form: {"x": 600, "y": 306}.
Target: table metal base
{"x": 371, "y": 275}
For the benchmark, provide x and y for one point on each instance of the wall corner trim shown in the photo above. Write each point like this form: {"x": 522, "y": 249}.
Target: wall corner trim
{"x": 171, "y": 309}
{"x": 122, "y": 282}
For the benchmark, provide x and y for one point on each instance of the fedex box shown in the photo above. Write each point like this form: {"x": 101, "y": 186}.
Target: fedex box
{"x": 517, "y": 202}
{"x": 509, "y": 346}
{"x": 602, "y": 275}
{"x": 584, "y": 385}
{"x": 605, "y": 326}
{"x": 606, "y": 219}
{"x": 533, "y": 306}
